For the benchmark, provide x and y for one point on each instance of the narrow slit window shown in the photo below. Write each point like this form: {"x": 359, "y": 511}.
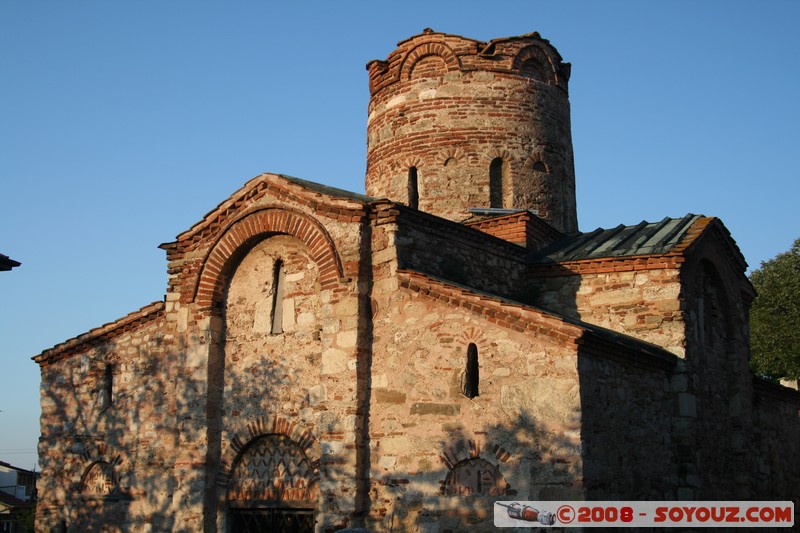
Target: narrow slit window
{"x": 108, "y": 386}
{"x": 471, "y": 377}
{"x": 496, "y": 182}
{"x": 413, "y": 188}
{"x": 278, "y": 282}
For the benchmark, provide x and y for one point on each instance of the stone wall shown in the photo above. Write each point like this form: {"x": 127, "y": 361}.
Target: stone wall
{"x": 431, "y": 445}
{"x": 628, "y": 411}
{"x": 215, "y": 376}
{"x": 300, "y": 383}
{"x": 460, "y": 254}
{"x": 716, "y": 299}
{"x": 257, "y": 389}
{"x": 109, "y": 419}
{"x": 776, "y": 437}
{"x": 367, "y": 385}
{"x": 644, "y": 304}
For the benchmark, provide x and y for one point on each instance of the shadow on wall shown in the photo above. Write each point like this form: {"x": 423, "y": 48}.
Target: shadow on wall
{"x": 124, "y": 471}
{"x": 91, "y": 415}
{"x": 456, "y": 491}
{"x": 129, "y": 452}
{"x": 627, "y": 430}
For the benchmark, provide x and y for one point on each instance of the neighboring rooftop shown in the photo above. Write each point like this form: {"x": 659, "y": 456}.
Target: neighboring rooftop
{"x": 6, "y": 263}
{"x": 12, "y": 467}
{"x": 9, "y": 501}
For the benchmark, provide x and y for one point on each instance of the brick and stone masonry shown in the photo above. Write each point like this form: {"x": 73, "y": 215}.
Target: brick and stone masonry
{"x": 400, "y": 361}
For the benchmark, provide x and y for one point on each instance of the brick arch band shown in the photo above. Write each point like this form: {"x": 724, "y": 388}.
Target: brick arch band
{"x": 265, "y": 222}
{"x": 424, "y": 50}
{"x": 544, "y": 59}
{"x": 268, "y": 425}
{"x": 95, "y": 453}
{"x": 463, "y": 448}
{"x": 101, "y": 452}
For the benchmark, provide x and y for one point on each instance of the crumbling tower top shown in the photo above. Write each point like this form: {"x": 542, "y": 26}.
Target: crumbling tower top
{"x": 456, "y": 123}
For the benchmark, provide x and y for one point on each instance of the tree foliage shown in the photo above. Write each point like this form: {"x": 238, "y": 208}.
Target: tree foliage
{"x": 775, "y": 316}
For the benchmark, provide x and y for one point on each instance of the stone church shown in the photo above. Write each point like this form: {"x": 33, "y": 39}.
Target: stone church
{"x": 401, "y": 359}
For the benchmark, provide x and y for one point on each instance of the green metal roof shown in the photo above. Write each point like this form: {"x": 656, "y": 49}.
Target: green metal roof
{"x": 645, "y": 238}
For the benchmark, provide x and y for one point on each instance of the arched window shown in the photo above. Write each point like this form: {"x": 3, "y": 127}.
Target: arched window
{"x": 539, "y": 166}
{"x": 108, "y": 386}
{"x": 471, "y": 377}
{"x": 273, "y": 487}
{"x": 413, "y": 188}
{"x": 533, "y": 69}
{"x": 99, "y": 480}
{"x": 278, "y": 281}
{"x": 475, "y": 477}
{"x": 496, "y": 182}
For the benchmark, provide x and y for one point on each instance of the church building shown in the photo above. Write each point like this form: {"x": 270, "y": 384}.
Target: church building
{"x": 399, "y": 360}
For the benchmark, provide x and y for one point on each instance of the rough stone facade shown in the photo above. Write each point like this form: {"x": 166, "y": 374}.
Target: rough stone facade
{"x": 324, "y": 359}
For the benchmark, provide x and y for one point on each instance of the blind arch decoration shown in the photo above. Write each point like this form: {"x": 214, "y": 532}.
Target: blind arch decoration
{"x": 272, "y": 469}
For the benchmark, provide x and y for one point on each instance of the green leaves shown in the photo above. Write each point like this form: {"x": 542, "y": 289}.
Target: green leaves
{"x": 775, "y": 316}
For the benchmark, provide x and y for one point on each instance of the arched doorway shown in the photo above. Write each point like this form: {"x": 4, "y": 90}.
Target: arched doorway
{"x": 273, "y": 487}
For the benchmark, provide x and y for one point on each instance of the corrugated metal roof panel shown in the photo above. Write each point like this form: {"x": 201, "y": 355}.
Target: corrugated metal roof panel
{"x": 645, "y": 238}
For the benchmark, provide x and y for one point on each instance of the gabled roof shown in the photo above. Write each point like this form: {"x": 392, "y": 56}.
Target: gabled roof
{"x": 18, "y": 469}
{"x": 321, "y": 198}
{"x": 328, "y": 190}
{"x": 645, "y": 238}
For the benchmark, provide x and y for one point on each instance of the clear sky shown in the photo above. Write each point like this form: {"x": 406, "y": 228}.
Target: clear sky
{"x": 123, "y": 123}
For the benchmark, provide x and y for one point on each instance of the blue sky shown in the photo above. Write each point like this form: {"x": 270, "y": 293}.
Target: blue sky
{"x": 123, "y": 123}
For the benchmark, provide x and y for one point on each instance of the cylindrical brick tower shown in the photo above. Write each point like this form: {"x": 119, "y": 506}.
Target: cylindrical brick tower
{"x": 456, "y": 123}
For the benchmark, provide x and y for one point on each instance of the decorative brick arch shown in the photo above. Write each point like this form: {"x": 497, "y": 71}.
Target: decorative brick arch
{"x": 94, "y": 455}
{"x": 545, "y": 62}
{"x": 265, "y": 222}
{"x": 472, "y": 334}
{"x": 463, "y": 449}
{"x": 268, "y": 425}
{"x": 408, "y": 162}
{"x": 469, "y": 472}
{"x": 101, "y": 452}
{"x": 424, "y": 50}
{"x": 538, "y": 159}
{"x": 456, "y": 154}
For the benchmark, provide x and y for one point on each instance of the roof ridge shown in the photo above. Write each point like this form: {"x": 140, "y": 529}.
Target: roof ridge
{"x": 148, "y": 311}
{"x": 256, "y": 187}
{"x": 642, "y": 239}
